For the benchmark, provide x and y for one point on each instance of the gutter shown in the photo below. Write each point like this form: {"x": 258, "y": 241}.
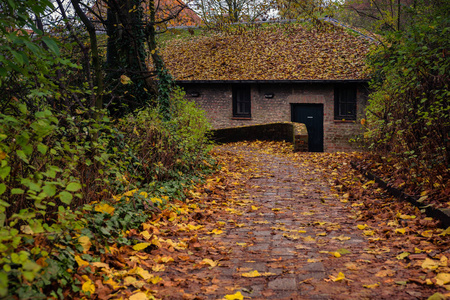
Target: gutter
{"x": 284, "y": 81}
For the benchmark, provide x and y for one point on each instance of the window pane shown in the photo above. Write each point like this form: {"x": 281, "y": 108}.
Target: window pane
{"x": 345, "y": 103}
{"x": 241, "y": 101}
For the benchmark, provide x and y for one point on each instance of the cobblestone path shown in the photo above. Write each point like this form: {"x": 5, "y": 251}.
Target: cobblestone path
{"x": 298, "y": 222}
{"x": 284, "y": 233}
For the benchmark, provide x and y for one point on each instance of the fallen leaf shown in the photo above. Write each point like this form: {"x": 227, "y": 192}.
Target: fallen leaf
{"x": 336, "y": 254}
{"x": 437, "y": 296}
{"x": 254, "y": 273}
{"x": 400, "y": 230}
{"x": 141, "y": 246}
{"x": 403, "y": 255}
{"x": 442, "y": 278}
{"x": 237, "y": 296}
{"x": 361, "y": 227}
{"x": 88, "y": 286}
{"x": 138, "y": 296}
{"x": 105, "y": 208}
{"x": 340, "y": 277}
{"x": 210, "y": 262}
{"x": 430, "y": 264}
{"x": 369, "y": 232}
{"x": 371, "y": 286}
{"x": 80, "y": 261}
{"x": 341, "y": 238}
{"x": 85, "y": 242}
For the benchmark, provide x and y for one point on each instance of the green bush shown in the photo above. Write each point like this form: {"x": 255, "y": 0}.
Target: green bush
{"x": 167, "y": 150}
{"x": 409, "y": 112}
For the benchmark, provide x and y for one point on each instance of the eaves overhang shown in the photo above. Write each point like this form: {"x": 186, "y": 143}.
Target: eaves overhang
{"x": 320, "y": 81}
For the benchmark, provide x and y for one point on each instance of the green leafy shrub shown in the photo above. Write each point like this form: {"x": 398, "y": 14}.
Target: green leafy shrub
{"x": 168, "y": 149}
{"x": 409, "y": 112}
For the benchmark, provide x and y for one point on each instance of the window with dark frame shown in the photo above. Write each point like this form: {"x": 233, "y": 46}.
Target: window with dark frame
{"x": 241, "y": 101}
{"x": 345, "y": 103}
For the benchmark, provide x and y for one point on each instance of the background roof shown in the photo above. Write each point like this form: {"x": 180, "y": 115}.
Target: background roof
{"x": 270, "y": 52}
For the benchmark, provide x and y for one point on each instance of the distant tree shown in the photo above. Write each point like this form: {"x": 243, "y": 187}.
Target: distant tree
{"x": 409, "y": 108}
{"x": 131, "y": 27}
{"x": 306, "y": 9}
{"x": 384, "y": 15}
{"x": 215, "y": 12}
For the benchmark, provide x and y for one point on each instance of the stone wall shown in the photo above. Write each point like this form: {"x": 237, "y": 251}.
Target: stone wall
{"x": 216, "y": 100}
{"x": 295, "y": 133}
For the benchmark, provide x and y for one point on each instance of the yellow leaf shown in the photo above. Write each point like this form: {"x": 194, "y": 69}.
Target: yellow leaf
{"x": 369, "y": 232}
{"x": 400, "y": 230}
{"x": 105, "y": 208}
{"x": 237, "y": 296}
{"x": 384, "y": 273}
{"x": 444, "y": 261}
{"x": 309, "y": 239}
{"x": 112, "y": 283}
{"x": 155, "y": 279}
{"x": 361, "y": 227}
{"x": 403, "y": 255}
{"x": 2, "y": 155}
{"x": 336, "y": 254}
{"x": 141, "y": 272}
{"x": 88, "y": 286}
{"x": 241, "y": 244}
{"x": 427, "y": 233}
{"x": 129, "y": 280}
{"x": 85, "y": 242}
{"x": 141, "y": 246}
{"x": 156, "y": 200}
{"x": 138, "y": 296}
{"x": 251, "y": 274}
{"x": 216, "y": 231}
{"x": 371, "y": 286}
{"x": 406, "y": 217}
{"x": 212, "y": 263}
{"x": 80, "y": 261}
{"x": 312, "y": 260}
{"x": 254, "y": 207}
{"x": 124, "y": 79}
{"x": 442, "y": 278}
{"x": 100, "y": 265}
{"x": 146, "y": 235}
{"x": 158, "y": 268}
{"x": 430, "y": 264}
{"x": 445, "y": 232}
{"x": 340, "y": 277}
{"x": 163, "y": 259}
{"x": 341, "y": 238}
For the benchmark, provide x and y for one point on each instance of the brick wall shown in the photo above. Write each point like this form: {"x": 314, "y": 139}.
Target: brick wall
{"x": 216, "y": 100}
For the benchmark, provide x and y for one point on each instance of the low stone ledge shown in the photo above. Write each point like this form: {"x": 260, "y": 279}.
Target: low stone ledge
{"x": 291, "y": 132}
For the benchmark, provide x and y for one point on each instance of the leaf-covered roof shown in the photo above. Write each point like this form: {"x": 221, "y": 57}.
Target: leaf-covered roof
{"x": 277, "y": 52}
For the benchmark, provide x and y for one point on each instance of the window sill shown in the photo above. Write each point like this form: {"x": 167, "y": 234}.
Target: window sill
{"x": 344, "y": 121}
{"x": 241, "y": 118}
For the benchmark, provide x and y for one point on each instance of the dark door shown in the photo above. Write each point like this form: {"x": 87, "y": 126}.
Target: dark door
{"x": 312, "y": 116}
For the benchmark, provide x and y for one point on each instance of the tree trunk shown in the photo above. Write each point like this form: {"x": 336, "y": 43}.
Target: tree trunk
{"x": 98, "y": 100}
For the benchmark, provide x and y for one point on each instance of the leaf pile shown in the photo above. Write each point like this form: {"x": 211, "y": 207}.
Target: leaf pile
{"x": 283, "y": 52}
{"x": 429, "y": 185}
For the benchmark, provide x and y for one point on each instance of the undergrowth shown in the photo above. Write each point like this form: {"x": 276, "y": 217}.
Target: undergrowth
{"x": 66, "y": 178}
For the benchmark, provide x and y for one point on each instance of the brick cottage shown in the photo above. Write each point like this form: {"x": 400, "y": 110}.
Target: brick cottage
{"x": 278, "y": 73}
